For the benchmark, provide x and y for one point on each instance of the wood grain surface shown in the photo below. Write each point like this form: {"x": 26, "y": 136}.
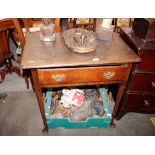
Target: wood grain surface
{"x": 38, "y": 54}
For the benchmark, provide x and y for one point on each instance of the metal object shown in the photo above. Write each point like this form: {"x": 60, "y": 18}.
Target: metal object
{"x": 58, "y": 77}
{"x": 153, "y": 84}
{"x": 146, "y": 103}
{"x": 108, "y": 75}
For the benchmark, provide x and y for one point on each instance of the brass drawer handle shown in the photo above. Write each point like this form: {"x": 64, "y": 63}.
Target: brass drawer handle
{"x": 58, "y": 77}
{"x": 146, "y": 103}
{"x": 153, "y": 84}
{"x": 108, "y": 75}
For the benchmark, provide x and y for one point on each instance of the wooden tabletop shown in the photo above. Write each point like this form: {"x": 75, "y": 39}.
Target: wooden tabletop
{"x": 39, "y": 54}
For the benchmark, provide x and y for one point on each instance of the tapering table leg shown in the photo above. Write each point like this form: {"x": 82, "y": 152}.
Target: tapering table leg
{"x": 121, "y": 89}
{"x": 38, "y": 92}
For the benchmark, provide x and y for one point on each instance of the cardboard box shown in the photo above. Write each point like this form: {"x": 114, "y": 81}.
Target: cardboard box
{"x": 99, "y": 122}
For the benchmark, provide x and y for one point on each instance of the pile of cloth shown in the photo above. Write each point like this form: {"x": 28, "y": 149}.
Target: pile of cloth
{"x": 77, "y": 104}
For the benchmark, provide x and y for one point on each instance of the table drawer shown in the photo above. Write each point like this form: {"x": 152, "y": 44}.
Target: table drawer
{"x": 147, "y": 63}
{"x": 81, "y": 75}
{"x": 140, "y": 101}
{"x": 143, "y": 83}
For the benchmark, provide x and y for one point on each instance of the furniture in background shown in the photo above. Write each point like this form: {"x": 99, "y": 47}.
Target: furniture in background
{"x": 34, "y": 22}
{"x": 122, "y": 22}
{"x": 2, "y": 95}
{"x": 144, "y": 28}
{"x": 55, "y": 65}
{"x": 5, "y": 26}
{"x": 1, "y": 58}
{"x": 85, "y": 23}
{"x": 29, "y": 23}
{"x": 140, "y": 92}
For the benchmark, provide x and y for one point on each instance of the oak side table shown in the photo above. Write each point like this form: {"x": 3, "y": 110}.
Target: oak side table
{"x": 55, "y": 65}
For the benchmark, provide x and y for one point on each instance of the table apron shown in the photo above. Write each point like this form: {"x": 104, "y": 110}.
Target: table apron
{"x": 81, "y": 76}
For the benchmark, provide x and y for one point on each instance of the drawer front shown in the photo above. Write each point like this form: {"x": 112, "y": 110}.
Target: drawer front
{"x": 147, "y": 63}
{"x": 140, "y": 101}
{"x": 81, "y": 75}
{"x": 143, "y": 83}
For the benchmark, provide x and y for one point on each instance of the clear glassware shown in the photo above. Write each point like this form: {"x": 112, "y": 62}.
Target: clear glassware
{"x": 47, "y": 30}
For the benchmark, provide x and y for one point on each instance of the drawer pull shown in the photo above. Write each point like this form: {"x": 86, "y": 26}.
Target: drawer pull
{"x": 108, "y": 75}
{"x": 146, "y": 103}
{"x": 153, "y": 84}
{"x": 58, "y": 77}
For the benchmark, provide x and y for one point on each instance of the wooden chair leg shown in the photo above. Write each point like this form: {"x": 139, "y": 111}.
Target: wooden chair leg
{"x": 13, "y": 38}
{"x": 26, "y": 82}
{"x": 32, "y": 83}
{"x": 27, "y": 78}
